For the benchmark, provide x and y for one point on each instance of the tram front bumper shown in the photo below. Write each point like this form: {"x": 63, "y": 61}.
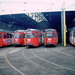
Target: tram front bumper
{"x": 49, "y": 44}
{"x": 29, "y": 45}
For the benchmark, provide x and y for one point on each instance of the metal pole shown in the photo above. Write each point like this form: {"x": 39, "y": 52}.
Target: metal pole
{"x": 64, "y": 25}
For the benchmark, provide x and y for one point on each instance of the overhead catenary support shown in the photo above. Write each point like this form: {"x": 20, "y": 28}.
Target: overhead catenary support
{"x": 63, "y": 24}
{"x": 65, "y": 29}
{"x": 62, "y": 27}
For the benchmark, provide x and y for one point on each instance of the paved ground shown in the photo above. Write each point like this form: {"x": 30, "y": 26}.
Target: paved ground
{"x": 37, "y": 61}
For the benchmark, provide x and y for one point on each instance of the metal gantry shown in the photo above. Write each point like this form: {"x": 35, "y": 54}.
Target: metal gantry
{"x": 38, "y": 16}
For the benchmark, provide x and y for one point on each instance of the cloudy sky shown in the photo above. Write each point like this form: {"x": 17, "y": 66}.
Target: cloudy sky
{"x": 21, "y": 6}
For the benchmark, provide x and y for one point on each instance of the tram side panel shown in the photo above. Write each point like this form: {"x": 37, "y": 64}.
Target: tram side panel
{"x": 1, "y": 39}
{"x": 5, "y": 38}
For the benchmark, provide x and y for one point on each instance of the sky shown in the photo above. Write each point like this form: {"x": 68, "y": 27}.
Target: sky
{"x": 24, "y": 6}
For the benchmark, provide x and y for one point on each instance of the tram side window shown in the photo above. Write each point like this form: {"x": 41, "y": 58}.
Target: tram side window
{"x": 8, "y": 35}
{"x": 28, "y": 35}
{"x": 0, "y": 35}
{"x": 22, "y": 36}
{"x": 34, "y": 35}
{"x": 5, "y": 35}
{"x": 55, "y": 35}
{"x": 11, "y": 35}
{"x": 74, "y": 34}
{"x": 16, "y": 35}
{"x": 40, "y": 35}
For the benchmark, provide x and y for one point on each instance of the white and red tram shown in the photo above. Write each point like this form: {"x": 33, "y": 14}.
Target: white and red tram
{"x": 50, "y": 37}
{"x": 19, "y": 37}
{"x": 33, "y": 37}
{"x": 72, "y": 36}
{"x": 5, "y": 38}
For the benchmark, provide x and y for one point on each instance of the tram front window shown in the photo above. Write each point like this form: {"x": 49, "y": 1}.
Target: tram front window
{"x": 31, "y": 35}
{"x": 16, "y": 35}
{"x": 49, "y": 35}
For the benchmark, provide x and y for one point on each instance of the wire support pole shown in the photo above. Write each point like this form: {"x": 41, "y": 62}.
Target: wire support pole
{"x": 64, "y": 25}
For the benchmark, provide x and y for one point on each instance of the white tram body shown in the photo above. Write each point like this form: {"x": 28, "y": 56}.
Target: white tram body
{"x": 72, "y": 36}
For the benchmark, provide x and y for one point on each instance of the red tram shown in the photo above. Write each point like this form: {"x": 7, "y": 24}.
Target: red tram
{"x": 5, "y": 38}
{"x": 33, "y": 37}
{"x": 19, "y": 37}
{"x": 50, "y": 37}
{"x": 72, "y": 36}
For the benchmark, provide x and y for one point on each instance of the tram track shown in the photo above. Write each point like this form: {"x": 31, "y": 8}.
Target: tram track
{"x": 65, "y": 49}
{"x": 11, "y": 63}
{"x": 35, "y": 54}
{"x": 68, "y": 59}
{"x": 29, "y": 60}
{"x": 52, "y": 62}
{"x": 48, "y": 51}
{"x": 38, "y": 65}
{"x": 3, "y": 51}
{"x": 32, "y": 61}
{"x": 63, "y": 53}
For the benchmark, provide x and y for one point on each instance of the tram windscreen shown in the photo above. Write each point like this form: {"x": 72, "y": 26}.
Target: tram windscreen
{"x": 31, "y": 35}
{"x": 49, "y": 35}
{"x": 16, "y": 35}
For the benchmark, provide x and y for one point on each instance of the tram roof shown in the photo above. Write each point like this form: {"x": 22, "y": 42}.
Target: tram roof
{"x": 19, "y": 31}
{"x": 50, "y": 30}
{"x": 1, "y": 30}
{"x": 33, "y": 30}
